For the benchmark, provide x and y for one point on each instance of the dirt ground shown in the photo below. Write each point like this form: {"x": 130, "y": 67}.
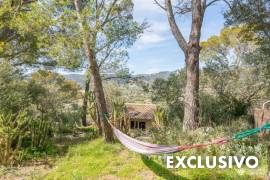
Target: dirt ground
{"x": 33, "y": 170}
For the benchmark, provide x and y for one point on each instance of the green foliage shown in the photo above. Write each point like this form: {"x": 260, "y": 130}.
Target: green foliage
{"x": 40, "y": 129}
{"x": 92, "y": 108}
{"x": 13, "y": 90}
{"x": 116, "y": 102}
{"x": 229, "y": 84}
{"x": 33, "y": 110}
{"x": 221, "y": 110}
{"x": 171, "y": 92}
{"x": 131, "y": 92}
{"x": 246, "y": 147}
{"x": 34, "y": 153}
{"x": 89, "y": 132}
{"x": 118, "y": 113}
{"x": 13, "y": 129}
{"x": 254, "y": 15}
{"x": 107, "y": 28}
{"x": 95, "y": 159}
{"x": 24, "y": 31}
{"x": 54, "y": 103}
{"x": 160, "y": 117}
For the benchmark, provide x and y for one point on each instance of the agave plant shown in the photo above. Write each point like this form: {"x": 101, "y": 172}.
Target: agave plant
{"x": 160, "y": 117}
{"x": 118, "y": 114}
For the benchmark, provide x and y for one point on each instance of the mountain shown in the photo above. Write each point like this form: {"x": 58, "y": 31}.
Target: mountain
{"x": 79, "y": 78}
{"x": 152, "y": 77}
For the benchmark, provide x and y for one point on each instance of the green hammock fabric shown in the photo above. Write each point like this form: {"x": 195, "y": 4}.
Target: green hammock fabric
{"x": 244, "y": 134}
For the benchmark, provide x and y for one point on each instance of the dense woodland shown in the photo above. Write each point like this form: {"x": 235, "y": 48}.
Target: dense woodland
{"x": 43, "y": 114}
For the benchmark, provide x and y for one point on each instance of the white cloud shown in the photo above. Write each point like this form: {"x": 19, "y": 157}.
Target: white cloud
{"x": 156, "y": 33}
{"x": 160, "y": 26}
{"x": 150, "y": 38}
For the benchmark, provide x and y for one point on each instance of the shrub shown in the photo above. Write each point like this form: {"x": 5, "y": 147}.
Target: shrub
{"x": 40, "y": 129}
{"x": 174, "y": 136}
{"x": 89, "y": 131}
{"x": 13, "y": 128}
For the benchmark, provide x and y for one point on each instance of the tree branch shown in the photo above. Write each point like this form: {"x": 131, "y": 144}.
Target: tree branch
{"x": 175, "y": 30}
{"x": 103, "y": 60}
{"x": 109, "y": 13}
{"x": 28, "y": 1}
{"x": 183, "y": 7}
{"x": 158, "y": 3}
{"x": 211, "y": 3}
{"x": 214, "y": 1}
{"x": 228, "y": 4}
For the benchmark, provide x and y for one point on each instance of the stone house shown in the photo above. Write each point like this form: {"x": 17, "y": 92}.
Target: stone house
{"x": 140, "y": 116}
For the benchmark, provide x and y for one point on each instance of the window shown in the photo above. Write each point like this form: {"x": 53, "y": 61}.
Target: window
{"x": 132, "y": 124}
{"x": 137, "y": 125}
{"x": 142, "y": 125}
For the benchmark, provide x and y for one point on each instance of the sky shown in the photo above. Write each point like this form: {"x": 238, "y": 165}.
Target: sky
{"x": 157, "y": 50}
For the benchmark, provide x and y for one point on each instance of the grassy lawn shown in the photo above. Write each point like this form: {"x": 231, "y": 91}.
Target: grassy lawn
{"x": 96, "y": 160}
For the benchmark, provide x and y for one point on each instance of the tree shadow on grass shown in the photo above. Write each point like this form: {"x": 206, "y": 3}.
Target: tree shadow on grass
{"x": 159, "y": 170}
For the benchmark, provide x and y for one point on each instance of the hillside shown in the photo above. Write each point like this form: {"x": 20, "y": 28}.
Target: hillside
{"x": 79, "y": 78}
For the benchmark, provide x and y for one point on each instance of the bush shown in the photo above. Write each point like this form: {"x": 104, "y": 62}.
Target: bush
{"x": 13, "y": 128}
{"x": 245, "y": 147}
{"x": 40, "y": 129}
{"x": 89, "y": 132}
{"x": 33, "y": 153}
{"x": 221, "y": 110}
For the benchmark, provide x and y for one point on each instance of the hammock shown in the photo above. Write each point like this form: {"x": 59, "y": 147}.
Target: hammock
{"x": 148, "y": 148}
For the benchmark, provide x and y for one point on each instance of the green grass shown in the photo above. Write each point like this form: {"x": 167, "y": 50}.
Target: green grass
{"x": 96, "y": 160}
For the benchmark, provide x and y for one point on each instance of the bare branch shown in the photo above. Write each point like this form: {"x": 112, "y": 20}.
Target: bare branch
{"x": 211, "y": 3}
{"x": 158, "y": 3}
{"x": 214, "y": 1}
{"x": 182, "y": 7}
{"x": 109, "y": 13}
{"x": 104, "y": 59}
{"x": 28, "y": 1}
{"x": 228, "y": 4}
{"x": 175, "y": 30}
{"x": 101, "y": 4}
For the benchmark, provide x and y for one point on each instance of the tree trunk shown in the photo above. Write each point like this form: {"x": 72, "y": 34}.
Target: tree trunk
{"x": 191, "y": 99}
{"x": 85, "y": 102}
{"x": 94, "y": 71}
{"x": 99, "y": 123}
{"x": 100, "y": 97}
{"x": 191, "y": 50}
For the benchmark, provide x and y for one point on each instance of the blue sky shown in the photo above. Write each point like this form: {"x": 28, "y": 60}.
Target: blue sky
{"x": 157, "y": 50}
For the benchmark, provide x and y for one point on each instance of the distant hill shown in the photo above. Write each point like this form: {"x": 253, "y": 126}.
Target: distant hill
{"x": 80, "y": 79}
{"x": 152, "y": 77}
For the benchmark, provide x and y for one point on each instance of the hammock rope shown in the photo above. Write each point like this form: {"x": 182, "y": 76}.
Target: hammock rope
{"x": 148, "y": 148}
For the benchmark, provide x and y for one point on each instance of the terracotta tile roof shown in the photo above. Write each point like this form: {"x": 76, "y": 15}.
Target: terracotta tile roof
{"x": 140, "y": 111}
